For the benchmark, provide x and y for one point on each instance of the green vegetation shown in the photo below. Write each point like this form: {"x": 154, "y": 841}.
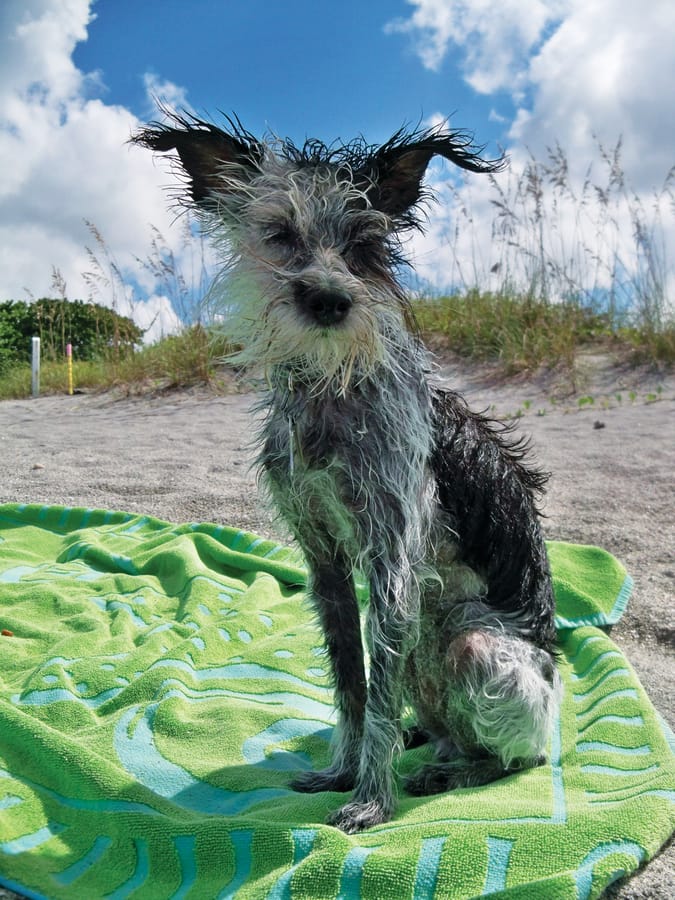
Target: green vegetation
{"x": 568, "y": 268}
{"x": 522, "y": 333}
{"x": 189, "y": 358}
{"x": 518, "y": 333}
{"x": 192, "y": 357}
{"x": 92, "y": 329}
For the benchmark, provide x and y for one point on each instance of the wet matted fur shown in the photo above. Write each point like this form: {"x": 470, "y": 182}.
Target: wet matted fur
{"x": 377, "y": 470}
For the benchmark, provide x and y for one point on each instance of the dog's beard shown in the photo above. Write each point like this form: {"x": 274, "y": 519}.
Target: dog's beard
{"x": 273, "y": 331}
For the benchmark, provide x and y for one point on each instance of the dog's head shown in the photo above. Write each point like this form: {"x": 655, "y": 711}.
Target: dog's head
{"x": 311, "y": 234}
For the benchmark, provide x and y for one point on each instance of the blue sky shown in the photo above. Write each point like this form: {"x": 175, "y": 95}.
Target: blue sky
{"x": 299, "y": 68}
{"x": 77, "y": 77}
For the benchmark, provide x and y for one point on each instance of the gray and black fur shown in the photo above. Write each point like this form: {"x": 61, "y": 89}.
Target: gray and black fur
{"x": 377, "y": 470}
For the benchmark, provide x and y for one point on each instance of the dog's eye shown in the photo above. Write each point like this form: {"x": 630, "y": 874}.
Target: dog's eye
{"x": 282, "y": 236}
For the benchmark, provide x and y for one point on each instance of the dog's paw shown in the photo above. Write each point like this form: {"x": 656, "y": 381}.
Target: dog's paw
{"x": 431, "y": 779}
{"x": 436, "y": 778}
{"x": 354, "y": 817}
{"x": 325, "y": 780}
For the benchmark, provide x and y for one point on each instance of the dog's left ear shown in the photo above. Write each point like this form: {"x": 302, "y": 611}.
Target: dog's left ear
{"x": 396, "y": 170}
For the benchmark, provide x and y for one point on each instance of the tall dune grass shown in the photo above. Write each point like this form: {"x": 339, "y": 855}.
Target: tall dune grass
{"x": 566, "y": 267}
{"x": 517, "y": 331}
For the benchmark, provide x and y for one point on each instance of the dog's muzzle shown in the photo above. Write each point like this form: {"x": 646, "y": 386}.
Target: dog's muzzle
{"x": 325, "y": 307}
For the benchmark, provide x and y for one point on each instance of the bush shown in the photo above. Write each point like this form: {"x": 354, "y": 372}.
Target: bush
{"x": 93, "y": 330}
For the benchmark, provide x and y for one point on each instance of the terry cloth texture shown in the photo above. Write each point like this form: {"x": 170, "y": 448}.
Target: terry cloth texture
{"x": 159, "y": 684}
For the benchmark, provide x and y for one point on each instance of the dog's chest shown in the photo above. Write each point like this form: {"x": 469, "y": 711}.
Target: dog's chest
{"x": 321, "y": 464}
{"x": 345, "y": 466}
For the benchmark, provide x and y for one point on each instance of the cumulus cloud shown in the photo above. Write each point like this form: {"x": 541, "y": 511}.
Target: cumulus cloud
{"x": 604, "y": 74}
{"x": 38, "y": 39}
{"x": 578, "y": 72}
{"x": 64, "y": 159}
{"x": 496, "y": 40}
{"x": 584, "y": 76}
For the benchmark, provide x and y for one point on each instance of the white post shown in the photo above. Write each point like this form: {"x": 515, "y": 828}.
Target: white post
{"x": 35, "y": 371}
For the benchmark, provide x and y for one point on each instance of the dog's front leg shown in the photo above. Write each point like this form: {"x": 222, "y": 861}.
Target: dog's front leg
{"x": 391, "y": 631}
{"x": 334, "y": 598}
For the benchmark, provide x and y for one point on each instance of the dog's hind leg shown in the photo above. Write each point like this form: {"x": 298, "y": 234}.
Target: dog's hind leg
{"x": 501, "y": 698}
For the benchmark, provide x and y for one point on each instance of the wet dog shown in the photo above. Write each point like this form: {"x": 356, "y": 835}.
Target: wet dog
{"x": 376, "y": 469}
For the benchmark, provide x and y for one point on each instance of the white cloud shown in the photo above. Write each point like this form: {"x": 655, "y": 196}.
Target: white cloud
{"x": 576, "y": 70}
{"x": 38, "y": 38}
{"x": 64, "y": 159}
{"x": 156, "y": 316}
{"x": 495, "y": 39}
{"x": 607, "y": 71}
{"x": 581, "y": 74}
{"x": 165, "y": 92}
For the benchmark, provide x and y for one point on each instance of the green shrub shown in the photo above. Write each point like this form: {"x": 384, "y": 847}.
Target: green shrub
{"x": 92, "y": 329}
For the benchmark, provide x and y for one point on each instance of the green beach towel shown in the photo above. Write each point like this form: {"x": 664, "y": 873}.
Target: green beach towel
{"x": 159, "y": 684}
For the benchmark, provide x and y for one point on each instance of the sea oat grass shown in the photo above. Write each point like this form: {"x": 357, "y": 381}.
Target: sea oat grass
{"x": 192, "y": 356}
{"x": 651, "y": 345}
{"x": 520, "y": 332}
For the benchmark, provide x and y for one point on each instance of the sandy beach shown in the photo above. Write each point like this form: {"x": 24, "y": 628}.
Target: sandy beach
{"x": 609, "y": 444}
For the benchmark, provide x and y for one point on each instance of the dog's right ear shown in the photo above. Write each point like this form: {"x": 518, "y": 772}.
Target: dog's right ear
{"x": 396, "y": 169}
{"x": 215, "y": 160}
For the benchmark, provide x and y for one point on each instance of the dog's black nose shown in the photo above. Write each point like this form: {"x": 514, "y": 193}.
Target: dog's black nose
{"x": 326, "y": 307}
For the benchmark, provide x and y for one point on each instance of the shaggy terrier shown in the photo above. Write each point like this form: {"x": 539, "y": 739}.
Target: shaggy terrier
{"x": 379, "y": 472}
